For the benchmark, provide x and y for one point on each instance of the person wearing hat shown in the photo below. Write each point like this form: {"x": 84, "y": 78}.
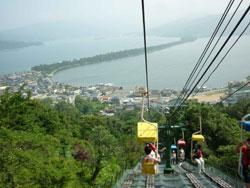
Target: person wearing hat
{"x": 182, "y": 154}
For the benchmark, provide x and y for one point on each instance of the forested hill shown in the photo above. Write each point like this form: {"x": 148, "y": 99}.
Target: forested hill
{"x": 43, "y": 144}
{"x": 53, "y": 68}
{"x": 7, "y": 45}
{"x": 61, "y": 145}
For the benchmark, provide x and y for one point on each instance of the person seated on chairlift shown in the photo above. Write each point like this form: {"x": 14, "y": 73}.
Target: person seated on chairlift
{"x": 181, "y": 154}
{"x": 244, "y": 147}
{"x": 151, "y": 154}
{"x": 173, "y": 157}
{"x": 198, "y": 157}
{"x": 153, "y": 150}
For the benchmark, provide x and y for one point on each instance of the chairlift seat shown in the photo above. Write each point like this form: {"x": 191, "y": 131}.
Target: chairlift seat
{"x": 149, "y": 167}
{"x": 245, "y": 125}
{"x": 181, "y": 142}
{"x": 147, "y": 132}
{"x": 173, "y": 147}
{"x": 198, "y": 138}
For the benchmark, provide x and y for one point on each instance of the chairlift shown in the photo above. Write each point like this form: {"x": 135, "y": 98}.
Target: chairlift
{"x": 196, "y": 137}
{"x": 181, "y": 142}
{"x": 245, "y": 124}
{"x": 181, "y": 145}
{"x": 148, "y": 168}
{"x": 147, "y": 132}
{"x": 173, "y": 147}
{"x": 181, "y": 151}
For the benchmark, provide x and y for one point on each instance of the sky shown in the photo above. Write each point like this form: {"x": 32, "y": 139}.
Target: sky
{"x": 18, "y": 13}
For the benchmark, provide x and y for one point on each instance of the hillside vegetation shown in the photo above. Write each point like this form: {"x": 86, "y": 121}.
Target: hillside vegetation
{"x": 43, "y": 144}
{"x": 61, "y": 145}
{"x": 220, "y": 127}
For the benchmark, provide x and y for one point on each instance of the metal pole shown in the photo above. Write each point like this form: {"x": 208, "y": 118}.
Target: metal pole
{"x": 200, "y": 125}
{"x": 168, "y": 169}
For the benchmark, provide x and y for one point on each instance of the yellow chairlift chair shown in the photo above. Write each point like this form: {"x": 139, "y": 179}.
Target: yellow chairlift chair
{"x": 196, "y": 137}
{"x": 147, "y": 132}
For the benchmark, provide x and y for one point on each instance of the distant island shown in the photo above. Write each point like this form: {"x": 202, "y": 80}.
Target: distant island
{"x": 56, "y": 67}
{"x": 8, "y": 45}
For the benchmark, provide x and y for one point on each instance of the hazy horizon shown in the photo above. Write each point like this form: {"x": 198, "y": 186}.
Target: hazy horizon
{"x": 122, "y": 16}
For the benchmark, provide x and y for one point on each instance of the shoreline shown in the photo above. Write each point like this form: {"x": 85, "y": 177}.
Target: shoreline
{"x": 52, "y": 69}
{"x": 42, "y": 86}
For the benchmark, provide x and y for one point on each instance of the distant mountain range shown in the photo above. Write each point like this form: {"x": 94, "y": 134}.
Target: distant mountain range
{"x": 8, "y": 45}
{"x": 199, "y": 27}
{"x": 51, "y": 31}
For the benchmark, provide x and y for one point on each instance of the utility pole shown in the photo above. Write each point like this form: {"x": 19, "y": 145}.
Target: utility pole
{"x": 168, "y": 169}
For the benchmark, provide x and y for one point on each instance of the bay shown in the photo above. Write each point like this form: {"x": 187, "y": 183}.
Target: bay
{"x": 168, "y": 68}
{"x": 17, "y": 60}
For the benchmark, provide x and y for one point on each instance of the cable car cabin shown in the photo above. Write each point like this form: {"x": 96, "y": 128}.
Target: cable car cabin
{"x": 245, "y": 125}
{"x": 147, "y": 132}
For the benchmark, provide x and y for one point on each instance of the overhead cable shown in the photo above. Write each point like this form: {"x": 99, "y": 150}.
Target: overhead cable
{"x": 216, "y": 43}
{"x": 236, "y": 91}
{"x": 223, "y": 58}
{"x": 184, "y": 90}
{"x": 226, "y": 41}
{"x": 145, "y": 52}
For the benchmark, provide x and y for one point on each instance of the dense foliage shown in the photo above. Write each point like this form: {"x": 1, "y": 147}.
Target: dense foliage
{"x": 220, "y": 127}
{"x": 56, "y": 67}
{"x": 60, "y": 145}
{"x": 43, "y": 144}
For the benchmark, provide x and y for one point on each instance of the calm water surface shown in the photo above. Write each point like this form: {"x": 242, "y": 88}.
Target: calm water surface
{"x": 59, "y": 50}
{"x": 168, "y": 68}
